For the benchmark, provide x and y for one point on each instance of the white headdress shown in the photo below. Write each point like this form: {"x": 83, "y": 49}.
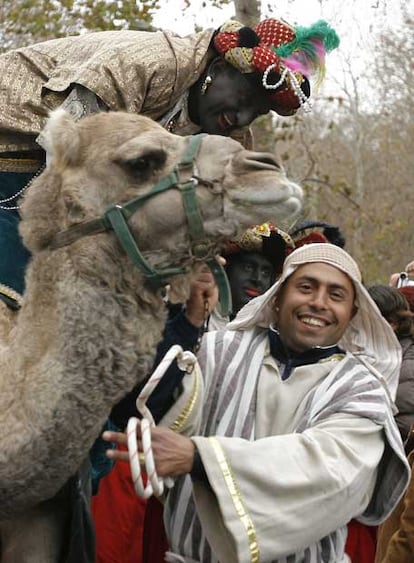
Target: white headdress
{"x": 368, "y": 336}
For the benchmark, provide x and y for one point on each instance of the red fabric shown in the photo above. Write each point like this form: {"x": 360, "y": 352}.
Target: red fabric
{"x": 361, "y": 542}
{"x": 226, "y": 40}
{"x": 118, "y": 514}
{"x": 122, "y": 520}
{"x": 156, "y": 543}
{"x": 274, "y": 32}
{"x": 270, "y": 33}
{"x": 310, "y": 238}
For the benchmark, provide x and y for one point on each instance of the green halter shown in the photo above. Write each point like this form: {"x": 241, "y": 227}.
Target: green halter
{"x": 117, "y": 215}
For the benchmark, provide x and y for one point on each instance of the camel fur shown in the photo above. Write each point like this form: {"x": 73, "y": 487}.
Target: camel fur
{"x": 89, "y": 325}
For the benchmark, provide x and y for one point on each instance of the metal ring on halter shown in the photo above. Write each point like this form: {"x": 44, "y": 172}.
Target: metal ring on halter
{"x": 155, "y": 485}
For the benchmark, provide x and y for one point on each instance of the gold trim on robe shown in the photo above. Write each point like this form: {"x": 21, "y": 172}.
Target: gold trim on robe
{"x": 237, "y": 499}
{"x": 181, "y": 420}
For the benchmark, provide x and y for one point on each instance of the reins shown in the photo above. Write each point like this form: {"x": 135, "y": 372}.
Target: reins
{"x": 116, "y": 216}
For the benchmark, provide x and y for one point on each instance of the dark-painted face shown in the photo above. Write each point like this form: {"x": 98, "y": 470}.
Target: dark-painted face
{"x": 230, "y": 101}
{"x": 250, "y": 274}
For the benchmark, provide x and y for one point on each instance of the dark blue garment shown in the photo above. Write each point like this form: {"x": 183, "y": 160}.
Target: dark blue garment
{"x": 290, "y": 360}
{"x": 14, "y": 257}
{"x": 101, "y": 465}
{"x": 178, "y": 330}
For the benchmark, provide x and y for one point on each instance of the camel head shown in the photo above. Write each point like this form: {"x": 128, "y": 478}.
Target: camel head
{"x": 112, "y": 158}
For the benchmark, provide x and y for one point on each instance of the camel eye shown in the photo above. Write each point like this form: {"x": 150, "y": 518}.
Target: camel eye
{"x": 145, "y": 164}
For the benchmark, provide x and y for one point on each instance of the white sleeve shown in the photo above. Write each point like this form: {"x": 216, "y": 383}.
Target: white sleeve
{"x": 286, "y": 492}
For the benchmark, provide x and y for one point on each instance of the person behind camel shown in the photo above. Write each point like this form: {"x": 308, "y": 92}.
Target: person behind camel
{"x": 395, "y": 543}
{"x": 310, "y": 231}
{"x": 402, "y": 279}
{"x": 408, "y": 292}
{"x": 214, "y": 81}
{"x": 396, "y": 310}
{"x": 253, "y": 261}
{"x": 274, "y": 469}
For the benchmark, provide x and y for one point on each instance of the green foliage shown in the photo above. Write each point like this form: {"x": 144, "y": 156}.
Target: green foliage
{"x": 29, "y": 21}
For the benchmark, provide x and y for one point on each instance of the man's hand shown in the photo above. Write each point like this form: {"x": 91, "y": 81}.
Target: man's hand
{"x": 173, "y": 453}
{"x": 203, "y": 296}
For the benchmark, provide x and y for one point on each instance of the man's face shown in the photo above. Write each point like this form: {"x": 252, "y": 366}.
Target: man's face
{"x": 314, "y": 307}
{"x": 250, "y": 274}
{"x": 229, "y": 102}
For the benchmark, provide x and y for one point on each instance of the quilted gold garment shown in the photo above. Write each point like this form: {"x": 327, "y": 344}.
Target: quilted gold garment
{"x": 134, "y": 71}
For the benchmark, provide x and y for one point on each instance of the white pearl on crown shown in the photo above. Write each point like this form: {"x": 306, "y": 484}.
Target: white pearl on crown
{"x": 294, "y": 83}
{"x": 266, "y": 74}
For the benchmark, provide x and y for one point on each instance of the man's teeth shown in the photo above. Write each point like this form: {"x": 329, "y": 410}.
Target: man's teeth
{"x": 312, "y": 321}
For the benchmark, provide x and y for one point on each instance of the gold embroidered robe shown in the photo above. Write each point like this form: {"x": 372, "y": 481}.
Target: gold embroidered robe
{"x": 134, "y": 71}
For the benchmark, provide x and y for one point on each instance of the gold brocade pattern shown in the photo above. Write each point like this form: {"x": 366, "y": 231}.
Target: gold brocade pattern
{"x": 237, "y": 499}
{"x": 19, "y": 165}
{"x": 133, "y": 71}
{"x": 11, "y": 294}
{"x": 180, "y": 421}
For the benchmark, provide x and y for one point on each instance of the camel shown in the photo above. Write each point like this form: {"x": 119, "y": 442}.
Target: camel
{"x": 90, "y": 321}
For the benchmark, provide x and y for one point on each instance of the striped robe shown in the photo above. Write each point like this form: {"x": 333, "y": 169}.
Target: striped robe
{"x": 289, "y": 462}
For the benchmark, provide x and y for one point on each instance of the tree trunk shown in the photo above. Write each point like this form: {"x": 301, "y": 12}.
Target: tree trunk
{"x": 247, "y": 11}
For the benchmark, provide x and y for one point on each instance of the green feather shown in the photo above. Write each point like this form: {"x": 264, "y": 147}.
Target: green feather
{"x": 302, "y": 42}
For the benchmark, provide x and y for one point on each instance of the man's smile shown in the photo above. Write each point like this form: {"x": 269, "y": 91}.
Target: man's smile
{"x": 313, "y": 321}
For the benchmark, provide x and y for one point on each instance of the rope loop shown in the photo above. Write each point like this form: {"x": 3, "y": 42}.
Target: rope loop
{"x": 155, "y": 485}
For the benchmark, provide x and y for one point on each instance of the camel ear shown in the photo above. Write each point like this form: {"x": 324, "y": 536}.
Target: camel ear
{"x": 61, "y": 139}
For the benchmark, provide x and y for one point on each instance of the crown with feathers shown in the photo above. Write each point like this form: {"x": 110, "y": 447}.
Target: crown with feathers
{"x": 284, "y": 57}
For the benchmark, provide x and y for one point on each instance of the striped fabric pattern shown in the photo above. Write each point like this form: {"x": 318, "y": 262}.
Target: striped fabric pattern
{"x": 349, "y": 388}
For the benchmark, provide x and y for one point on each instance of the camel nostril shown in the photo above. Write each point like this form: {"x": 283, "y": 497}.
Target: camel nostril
{"x": 262, "y": 160}
{"x": 269, "y": 159}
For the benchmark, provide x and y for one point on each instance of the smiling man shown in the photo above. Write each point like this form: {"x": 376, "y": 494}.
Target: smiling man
{"x": 286, "y": 442}
{"x": 314, "y": 307}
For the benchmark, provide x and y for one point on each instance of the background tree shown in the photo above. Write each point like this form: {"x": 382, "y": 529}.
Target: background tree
{"x": 28, "y": 21}
{"x": 247, "y": 11}
{"x": 352, "y": 153}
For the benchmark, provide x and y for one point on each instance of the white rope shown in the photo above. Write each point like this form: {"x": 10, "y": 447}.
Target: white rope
{"x": 155, "y": 484}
